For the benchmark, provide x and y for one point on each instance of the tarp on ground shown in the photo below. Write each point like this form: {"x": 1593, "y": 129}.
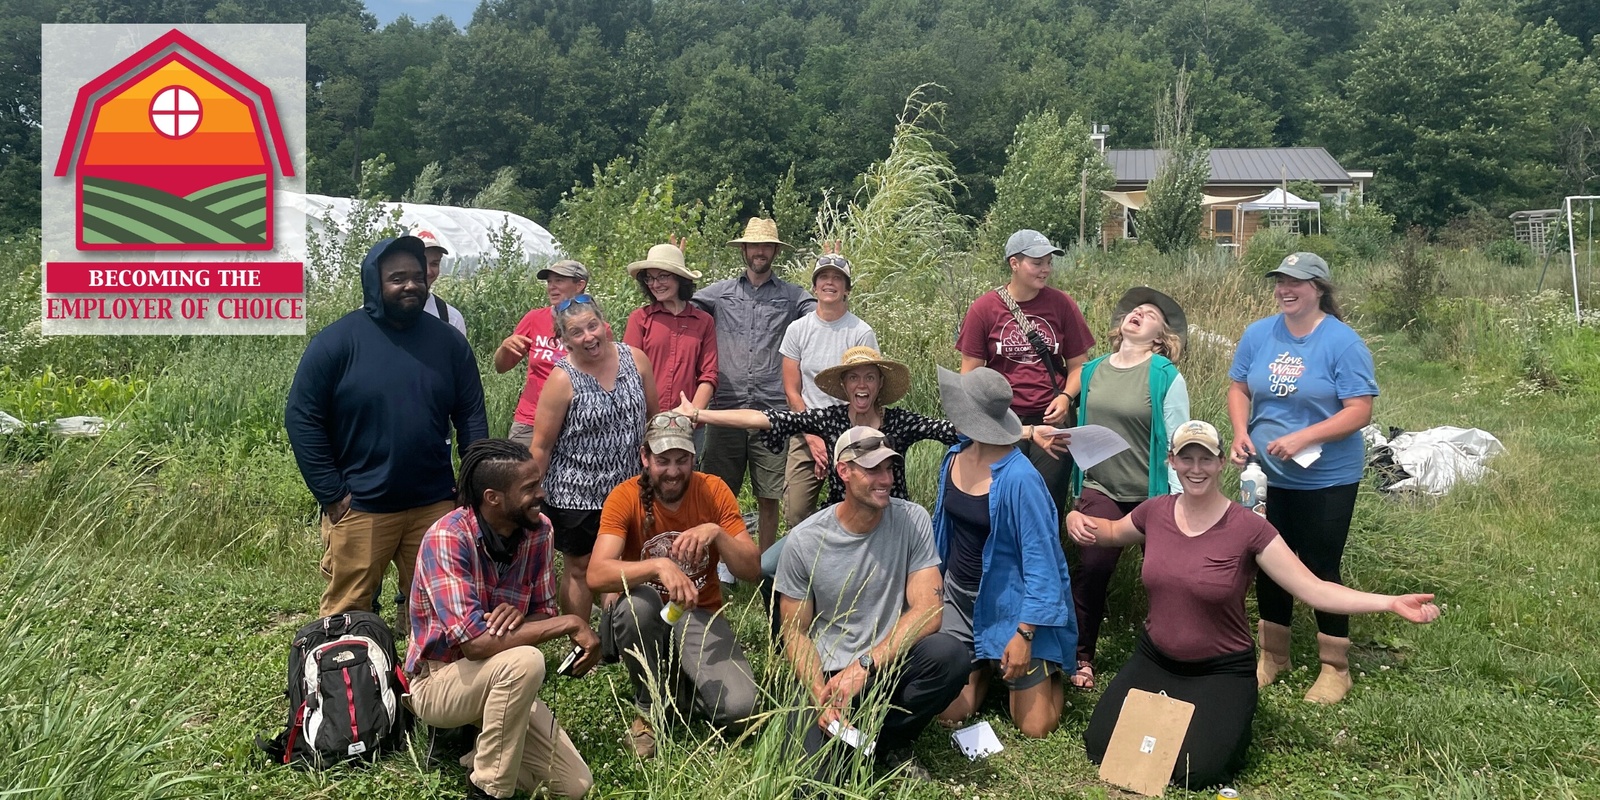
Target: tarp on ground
{"x": 1437, "y": 459}
{"x": 466, "y": 232}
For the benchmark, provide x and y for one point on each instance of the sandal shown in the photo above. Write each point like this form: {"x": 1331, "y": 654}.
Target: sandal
{"x": 1083, "y": 679}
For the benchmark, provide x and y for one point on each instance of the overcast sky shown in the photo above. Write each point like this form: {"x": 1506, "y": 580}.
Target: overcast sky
{"x": 423, "y": 10}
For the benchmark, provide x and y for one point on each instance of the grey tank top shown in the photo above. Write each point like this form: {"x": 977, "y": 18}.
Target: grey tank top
{"x": 598, "y": 446}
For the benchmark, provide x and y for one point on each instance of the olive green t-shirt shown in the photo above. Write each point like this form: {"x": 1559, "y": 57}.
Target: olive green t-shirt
{"x": 1120, "y": 400}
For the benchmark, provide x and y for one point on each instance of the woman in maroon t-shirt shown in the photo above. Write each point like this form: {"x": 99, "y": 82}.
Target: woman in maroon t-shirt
{"x": 1201, "y": 555}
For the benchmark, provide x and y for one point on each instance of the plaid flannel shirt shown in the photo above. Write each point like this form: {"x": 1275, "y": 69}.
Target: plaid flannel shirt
{"x": 457, "y": 585}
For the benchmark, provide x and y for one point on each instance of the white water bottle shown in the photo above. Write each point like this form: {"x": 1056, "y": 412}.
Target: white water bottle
{"x": 1253, "y": 488}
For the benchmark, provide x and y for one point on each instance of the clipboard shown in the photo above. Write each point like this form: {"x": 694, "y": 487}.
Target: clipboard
{"x": 1144, "y": 746}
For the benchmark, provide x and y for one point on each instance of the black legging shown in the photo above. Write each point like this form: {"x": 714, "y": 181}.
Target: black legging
{"x": 1057, "y": 472}
{"x": 1315, "y": 524}
{"x": 1223, "y": 691}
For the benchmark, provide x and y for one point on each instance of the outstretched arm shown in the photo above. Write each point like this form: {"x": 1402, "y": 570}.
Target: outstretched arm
{"x": 1097, "y": 532}
{"x": 1282, "y": 565}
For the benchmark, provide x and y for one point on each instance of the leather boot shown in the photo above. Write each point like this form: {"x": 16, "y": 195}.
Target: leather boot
{"x": 1333, "y": 683}
{"x": 1274, "y": 655}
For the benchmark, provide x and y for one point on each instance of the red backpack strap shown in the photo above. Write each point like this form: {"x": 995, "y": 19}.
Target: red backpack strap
{"x": 294, "y": 731}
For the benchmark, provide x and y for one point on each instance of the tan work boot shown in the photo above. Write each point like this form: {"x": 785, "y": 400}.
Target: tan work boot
{"x": 1274, "y": 655}
{"x": 641, "y": 738}
{"x": 1333, "y": 683}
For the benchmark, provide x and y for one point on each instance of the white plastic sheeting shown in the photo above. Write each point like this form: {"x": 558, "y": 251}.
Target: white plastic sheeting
{"x": 1278, "y": 199}
{"x": 465, "y": 232}
{"x": 1438, "y": 458}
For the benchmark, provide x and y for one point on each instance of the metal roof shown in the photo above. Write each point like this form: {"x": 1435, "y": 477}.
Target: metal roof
{"x": 1265, "y": 166}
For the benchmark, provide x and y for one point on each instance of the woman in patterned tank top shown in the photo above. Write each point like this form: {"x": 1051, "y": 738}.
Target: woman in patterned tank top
{"x": 586, "y": 435}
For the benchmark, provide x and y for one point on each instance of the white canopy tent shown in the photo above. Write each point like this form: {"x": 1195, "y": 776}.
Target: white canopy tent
{"x": 1280, "y": 202}
{"x": 466, "y": 232}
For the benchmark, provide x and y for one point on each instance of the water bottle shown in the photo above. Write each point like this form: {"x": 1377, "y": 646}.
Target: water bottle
{"x": 672, "y": 613}
{"x": 1253, "y": 488}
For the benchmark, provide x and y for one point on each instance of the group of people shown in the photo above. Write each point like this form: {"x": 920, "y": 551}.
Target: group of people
{"x": 628, "y": 456}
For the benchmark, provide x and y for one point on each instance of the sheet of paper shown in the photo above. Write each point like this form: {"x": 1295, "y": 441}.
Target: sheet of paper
{"x": 1092, "y": 444}
{"x": 977, "y": 741}
{"x": 1305, "y": 458}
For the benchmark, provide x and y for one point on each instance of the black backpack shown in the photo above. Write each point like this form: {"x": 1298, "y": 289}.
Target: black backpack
{"x": 343, "y": 702}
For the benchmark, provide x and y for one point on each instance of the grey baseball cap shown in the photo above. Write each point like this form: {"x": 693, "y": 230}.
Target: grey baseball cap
{"x": 1303, "y": 266}
{"x": 1032, "y": 244}
{"x": 567, "y": 268}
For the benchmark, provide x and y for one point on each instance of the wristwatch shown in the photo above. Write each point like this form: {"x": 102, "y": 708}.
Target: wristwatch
{"x": 1027, "y": 636}
{"x": 866, "y": 662}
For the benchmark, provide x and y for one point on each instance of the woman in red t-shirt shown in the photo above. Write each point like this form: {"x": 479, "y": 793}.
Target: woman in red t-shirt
{"x": 1201, "y": 555}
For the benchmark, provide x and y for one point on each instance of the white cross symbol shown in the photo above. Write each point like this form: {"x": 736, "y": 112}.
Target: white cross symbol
{"x": 175, "y": 112}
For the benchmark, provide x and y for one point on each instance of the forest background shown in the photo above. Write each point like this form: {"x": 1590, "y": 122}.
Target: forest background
{"x": 1470, "y": 108}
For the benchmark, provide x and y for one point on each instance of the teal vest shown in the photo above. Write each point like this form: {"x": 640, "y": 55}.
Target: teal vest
{"x": 1162, "y": 374}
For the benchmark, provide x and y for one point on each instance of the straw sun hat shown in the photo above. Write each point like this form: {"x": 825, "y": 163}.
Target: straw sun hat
{"x": 760, "y": 231}
{"x": 896, "y": 376}
{"x": 667, "y": 258}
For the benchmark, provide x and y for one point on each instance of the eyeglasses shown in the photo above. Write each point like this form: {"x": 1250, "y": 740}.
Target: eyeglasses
{"x": 657, "y": 277}
{"x": 833, "y": 260}
{"x": 567, "y": 303}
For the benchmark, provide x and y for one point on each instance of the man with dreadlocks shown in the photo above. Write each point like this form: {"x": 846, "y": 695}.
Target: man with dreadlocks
{"x": 484, "y": 598}
{"x": 661, "y": 537}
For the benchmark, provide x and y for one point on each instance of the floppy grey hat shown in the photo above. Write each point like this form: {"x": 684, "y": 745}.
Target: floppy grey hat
{"x": 1139, "y": 295}
{"x": 1303, "y": 266}
{"x": 978, "y": 404}
{"x": 1032, "y": 244}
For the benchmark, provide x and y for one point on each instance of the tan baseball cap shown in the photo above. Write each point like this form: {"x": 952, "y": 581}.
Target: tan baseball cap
{"x": 669, "y": 430}
{"x": 863, "y": 445}
{"x": 1199, "y": 432}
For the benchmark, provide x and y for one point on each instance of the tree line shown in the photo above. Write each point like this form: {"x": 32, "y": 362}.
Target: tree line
{"x": 1461, "y": 107}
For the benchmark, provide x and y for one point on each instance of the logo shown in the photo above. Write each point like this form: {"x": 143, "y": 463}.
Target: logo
{"x": 174, "y": 148}
{"x": 344, "y": 656}
{"x": 1284, "y": 373}
{"x": 163, "y": 208}
{"x": 1013, "y": 343}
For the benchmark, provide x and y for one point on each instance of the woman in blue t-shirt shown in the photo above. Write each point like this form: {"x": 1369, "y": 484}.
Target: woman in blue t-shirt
{"x": 1303, "y": 385}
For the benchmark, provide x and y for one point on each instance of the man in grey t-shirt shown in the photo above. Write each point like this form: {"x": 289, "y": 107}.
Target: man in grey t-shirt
{"x": 861, "y": 597}
{"x": 810, "y": 345}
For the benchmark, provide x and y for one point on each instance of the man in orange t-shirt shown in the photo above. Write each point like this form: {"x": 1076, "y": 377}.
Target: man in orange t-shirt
{"x": 661, "y": 536}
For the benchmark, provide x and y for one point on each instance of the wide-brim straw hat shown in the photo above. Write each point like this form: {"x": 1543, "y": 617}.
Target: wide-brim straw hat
{"x": 760, "y": 231}
{"x": 667, "y": 258}
{"x": 978, "y": 404}
{"x": 1139, "y": 295}
{"x": 896, "y": 376}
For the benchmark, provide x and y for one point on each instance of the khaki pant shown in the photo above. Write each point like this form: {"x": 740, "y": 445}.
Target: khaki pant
{"x": 800, "y": 491}
{"x": 521, "y": 745}
{"x": 359, "y": 548}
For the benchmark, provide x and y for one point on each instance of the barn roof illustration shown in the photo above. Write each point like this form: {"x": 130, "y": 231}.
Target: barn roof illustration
{"x": 174, "y": 148}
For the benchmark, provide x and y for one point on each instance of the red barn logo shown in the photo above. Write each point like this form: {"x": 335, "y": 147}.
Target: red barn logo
{"x": 174, "y": 149}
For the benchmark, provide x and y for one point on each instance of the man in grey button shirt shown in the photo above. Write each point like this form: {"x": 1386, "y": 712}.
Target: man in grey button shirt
{"x": 751, "y": 311}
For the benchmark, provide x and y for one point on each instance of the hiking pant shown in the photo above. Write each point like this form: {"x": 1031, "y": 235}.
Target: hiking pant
{"x": 521, "y": 746}
{"x": 696, "y": 665}
{"x": 358, "y": 549}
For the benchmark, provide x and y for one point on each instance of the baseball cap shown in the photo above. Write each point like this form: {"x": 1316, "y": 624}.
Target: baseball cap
{"x": 430, "y": 239}
{"x": 1032, "y": 244}
{"x": 863, "y": 445}
{"x": 669, "y": 430}
{"x": 831, "y": 261}
{"x": 1304, "y": 266}
{"x": 566, "y": 268}
{"x": 1199, "y": 432}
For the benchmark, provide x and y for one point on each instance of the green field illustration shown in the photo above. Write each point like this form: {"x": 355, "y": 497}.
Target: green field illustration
{"x": 231, "y": 212}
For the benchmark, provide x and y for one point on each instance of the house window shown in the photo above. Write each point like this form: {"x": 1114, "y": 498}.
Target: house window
{"x": 1222, "y": 222}
{"x": 1130, "y": 224}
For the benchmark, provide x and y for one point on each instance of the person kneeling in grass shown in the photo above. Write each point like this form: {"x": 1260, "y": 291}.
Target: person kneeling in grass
{"x": 661, "y": 537}
{"x": 483, "y": 601}
{"x": 1007, "y": 595}
{"x": 1201, "y": 552}
{"x": 859, "y": 586}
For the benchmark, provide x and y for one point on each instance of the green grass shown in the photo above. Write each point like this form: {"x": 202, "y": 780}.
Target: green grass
{"x": 150, "y": 581}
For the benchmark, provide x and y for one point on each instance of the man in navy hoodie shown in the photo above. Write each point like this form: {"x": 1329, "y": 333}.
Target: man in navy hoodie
{"x": 369, "y": 418}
